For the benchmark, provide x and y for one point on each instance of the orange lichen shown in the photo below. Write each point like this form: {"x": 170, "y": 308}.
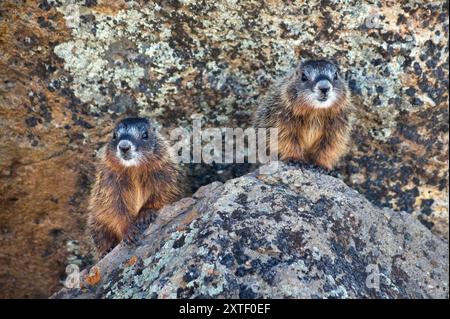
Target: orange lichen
{"x": 132, "y": 261}
{"x": 93, "y": 277}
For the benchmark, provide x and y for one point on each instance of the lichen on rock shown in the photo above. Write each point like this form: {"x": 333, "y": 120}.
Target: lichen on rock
{"x": 296, "y": 233}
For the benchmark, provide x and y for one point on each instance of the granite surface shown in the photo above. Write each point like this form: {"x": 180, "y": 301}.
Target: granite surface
{"x": 294, "y": 233}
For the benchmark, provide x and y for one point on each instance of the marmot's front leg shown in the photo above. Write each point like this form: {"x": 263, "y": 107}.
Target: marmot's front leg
{"x": 143, "y": 220}
{"x": 103, "y": 239}
{"x": 289, "y": 149}
{"x": 329, "y": 148}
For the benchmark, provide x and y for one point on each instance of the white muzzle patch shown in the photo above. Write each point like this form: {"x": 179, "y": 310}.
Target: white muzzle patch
{"x": 129, "y": 157}
{"x": 317, "y": 102}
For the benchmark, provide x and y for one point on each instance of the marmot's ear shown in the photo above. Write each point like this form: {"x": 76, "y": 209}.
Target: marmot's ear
{"x": 300, "y": 63}
{"x": 150, "y": 122}
{"x": 302, "y": 60}
{"x": 334, "y": 61}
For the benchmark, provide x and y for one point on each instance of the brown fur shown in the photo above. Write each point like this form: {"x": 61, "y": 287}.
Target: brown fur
{"x": 305, "y": 133}
{"x": 123, "y": 196}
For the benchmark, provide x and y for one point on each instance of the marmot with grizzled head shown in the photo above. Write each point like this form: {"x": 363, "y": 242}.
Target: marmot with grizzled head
{"x": 135, "y": 177}
{"x": 310, "y": 107}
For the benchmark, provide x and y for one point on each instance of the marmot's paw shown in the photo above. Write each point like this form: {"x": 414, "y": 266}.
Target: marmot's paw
{"x": 107, "y": 251}
{"x": 293, "y": 161}
{"x": 323, "y": 167}
{"x": 315, "y": 167}
{"x": 132, "y": 235}
{"x": 146, "y": 219}
{"x": 297, "y": 163}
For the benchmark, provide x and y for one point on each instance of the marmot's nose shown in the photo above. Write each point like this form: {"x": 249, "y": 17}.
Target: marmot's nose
{"x": 324, "y": 90}
{"x": 324, "y": 86}
{"x": 124, "y": 146}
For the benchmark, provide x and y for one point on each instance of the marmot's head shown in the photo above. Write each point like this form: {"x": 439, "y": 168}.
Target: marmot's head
{"x": 133, "y": 142}
{"x": 317, "y": 84}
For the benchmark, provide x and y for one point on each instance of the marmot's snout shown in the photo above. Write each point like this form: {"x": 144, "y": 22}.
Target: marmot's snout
{"x": 323, "y": 88}
{"x": 126, "y": 150}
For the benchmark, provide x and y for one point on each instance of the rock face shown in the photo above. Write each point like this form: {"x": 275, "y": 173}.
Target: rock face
{"x": 70, "y": 68}
{"x": 295, "y": 233}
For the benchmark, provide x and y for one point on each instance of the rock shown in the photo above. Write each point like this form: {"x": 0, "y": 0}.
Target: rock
{"x": 296, "y": 233}
{"x": 71, "y": 68}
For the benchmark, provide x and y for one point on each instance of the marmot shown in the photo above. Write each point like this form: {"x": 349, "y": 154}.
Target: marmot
{"x": 135, "y": 177}
{"x": 311, "y": 108}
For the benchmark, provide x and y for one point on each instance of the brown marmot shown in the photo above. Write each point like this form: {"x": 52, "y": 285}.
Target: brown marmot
{"x": 135, "y": 177}
{"x": 311, "y": 108}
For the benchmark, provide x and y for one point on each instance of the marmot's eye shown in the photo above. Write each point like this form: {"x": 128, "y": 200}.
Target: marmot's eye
{"x": 145, "y": 136}
{"x": 335, "y": 76}
{"x": 114, "y": 135}
{"x": 304, "y": 77}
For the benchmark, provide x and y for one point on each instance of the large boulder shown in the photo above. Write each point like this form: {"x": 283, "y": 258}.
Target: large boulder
{"x": 295, "y": 233}
{"x": 69, "y": 68}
